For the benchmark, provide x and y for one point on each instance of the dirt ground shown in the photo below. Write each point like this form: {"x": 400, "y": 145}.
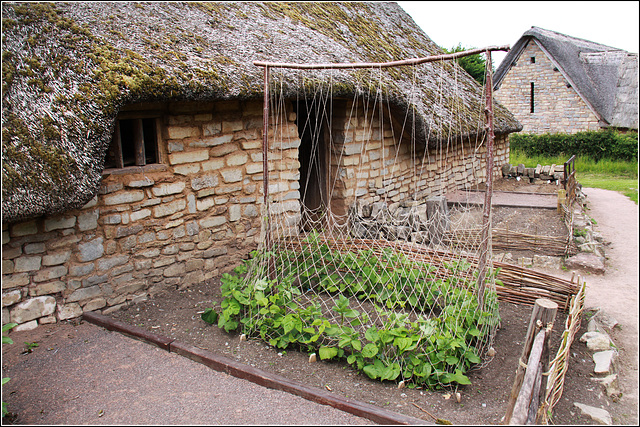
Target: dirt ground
{"x": 176, "y": 314}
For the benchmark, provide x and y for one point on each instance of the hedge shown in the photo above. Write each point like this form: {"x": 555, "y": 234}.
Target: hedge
{"x": 602, "y": 144}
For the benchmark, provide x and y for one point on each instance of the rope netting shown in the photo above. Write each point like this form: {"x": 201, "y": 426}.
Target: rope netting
{"x": 356, "y": 259}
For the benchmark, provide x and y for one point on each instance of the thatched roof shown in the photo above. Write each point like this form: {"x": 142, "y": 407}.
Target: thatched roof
{"x": 605, "y": 77}
{"x": 69, "y": 67}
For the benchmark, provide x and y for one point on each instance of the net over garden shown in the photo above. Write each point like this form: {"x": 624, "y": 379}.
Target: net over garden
{"x": 356, "y": 260}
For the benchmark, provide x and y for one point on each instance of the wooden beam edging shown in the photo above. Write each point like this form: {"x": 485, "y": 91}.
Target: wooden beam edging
{"x": 132, "y": 331}
{"x": 255, "y": 375}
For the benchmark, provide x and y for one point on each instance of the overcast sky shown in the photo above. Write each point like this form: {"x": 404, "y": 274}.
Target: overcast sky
{"x": 495, "y": 23}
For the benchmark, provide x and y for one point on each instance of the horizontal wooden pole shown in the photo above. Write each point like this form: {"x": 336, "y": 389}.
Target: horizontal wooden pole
{"x": 412, "y": 61}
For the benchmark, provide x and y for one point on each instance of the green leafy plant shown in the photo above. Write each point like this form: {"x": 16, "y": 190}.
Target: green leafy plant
{"x": 434, "y": 348}
{"x": 6, "y": 340}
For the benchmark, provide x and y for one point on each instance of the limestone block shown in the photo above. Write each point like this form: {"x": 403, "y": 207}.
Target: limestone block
{"x": 213, "y": 164}
{"x": 251, "y": 211}
{"x": 138, "y": 183}
{"x": 81, "y": 269}
{"x": 586, "y": 261}
{"x": 24, "y": 229}
{"x": 174, "y": 270}
{"x": 124, "y": 197}
{"x": 546, "y": 261}
{"x": 32, "y": 309}
{"x": 108, "y": 263}
{"x": 251, "y": 144}
{"x": 27, "y": 263}
{"x": 95, "y": 304}
{"x": 188, "y": 157}
{"x": 47, "y": 288}
{"x": 69, "y": 311}
{"x": 34, "y": 248}
{"x": 56, "y": 258}
{"x": 235, "y": 212}
{"x": 85, "y": 293}
{"x": 597, "y": 414}
{"x": 50, "y": 273}
{"x": 7, "y": 266}
{"x": 596, "y": 341}
{"x": 91, "y": 250}
{"x": 180, "y": 132}
{"x": 237, "y": 158}
{"x": 223, "y": 150}
{"x": 28, "y": 326}
{"x": 112, "y": 219}
{"x": 212, "y": 128}
{"x": 603, "y": 361}
{"x": 141, "y": 214}
{"x": 232, "y": 126}
{"x": 11, "y": 297}
{"x": 205, "y": 181}
{"x": 232, "y": 175}
{"x": 168, "y": 189}
{"x": 47, "y": 320}
{"x": 94, "y": 280}
{"x": 205, "y": 204}
{"x": 169, "y": 208}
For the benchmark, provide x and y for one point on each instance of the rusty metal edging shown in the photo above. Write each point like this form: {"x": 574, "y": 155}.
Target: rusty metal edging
{"x": 257, "y": 376}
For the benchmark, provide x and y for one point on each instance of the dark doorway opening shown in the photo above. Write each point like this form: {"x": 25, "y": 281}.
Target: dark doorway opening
{"x": 312, "y": 123}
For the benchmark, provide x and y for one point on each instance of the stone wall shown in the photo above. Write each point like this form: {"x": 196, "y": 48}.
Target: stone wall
{"x": 149, "y": 228}
{"x": 373, "y": 165}
{"x": 557, "y": 107}
{"x": 177, "y": 223}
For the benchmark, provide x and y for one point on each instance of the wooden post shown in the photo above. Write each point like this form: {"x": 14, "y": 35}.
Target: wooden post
{"x": 271, "y": 270}
{"x": 562, "y": 198}
{"x": 118, "y": 146}
{"x": 138, "y": 141}
{"x": 543, "y": 314}
{"x": 536, "y": 396}
{"x": 486, "y": 214}
{"x": 521, "y": 407}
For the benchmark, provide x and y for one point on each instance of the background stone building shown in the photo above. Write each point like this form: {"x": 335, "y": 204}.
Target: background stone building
{"x": 554, "y": 83}
{"x": 132, "y": 139}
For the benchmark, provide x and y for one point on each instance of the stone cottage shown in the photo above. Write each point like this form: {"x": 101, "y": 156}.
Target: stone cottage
{"x": 554, "y": 83}
{"x": 132, "y": 139}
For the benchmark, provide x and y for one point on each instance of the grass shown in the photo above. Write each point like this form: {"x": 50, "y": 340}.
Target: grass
{"x": 620, "y": 176}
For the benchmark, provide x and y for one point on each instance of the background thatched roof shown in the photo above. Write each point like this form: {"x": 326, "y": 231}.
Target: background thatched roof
{"x": 69, "y": 67}
{"x": 606, "y": 77}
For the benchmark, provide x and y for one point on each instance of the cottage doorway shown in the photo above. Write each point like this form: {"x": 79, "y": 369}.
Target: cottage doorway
{"x": 312, "y": 122}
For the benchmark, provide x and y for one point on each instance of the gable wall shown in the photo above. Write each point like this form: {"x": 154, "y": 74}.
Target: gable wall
{"x": 170, "y": 226}
{"x": 557, "y": 109}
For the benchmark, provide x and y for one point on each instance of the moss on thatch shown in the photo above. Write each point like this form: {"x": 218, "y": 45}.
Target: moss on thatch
{"x": 68, "y": 68}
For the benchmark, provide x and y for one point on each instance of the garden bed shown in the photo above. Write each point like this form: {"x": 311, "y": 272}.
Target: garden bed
{"x": 176, "y": 314}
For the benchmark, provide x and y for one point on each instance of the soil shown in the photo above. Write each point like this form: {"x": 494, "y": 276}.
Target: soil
{"x": 176, "y": 314}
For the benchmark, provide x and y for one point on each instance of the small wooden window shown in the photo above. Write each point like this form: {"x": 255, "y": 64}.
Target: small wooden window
{"x": 533, "y": 59}
{"x": 135, "y": 142}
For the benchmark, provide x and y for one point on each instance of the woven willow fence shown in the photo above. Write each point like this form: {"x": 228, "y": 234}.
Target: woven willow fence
{"x": 560, "y": 364}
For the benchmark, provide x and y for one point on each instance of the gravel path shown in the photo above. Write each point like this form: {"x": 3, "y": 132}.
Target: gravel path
{"x": 103, "y": 377}
{"x": 616, "y": 292}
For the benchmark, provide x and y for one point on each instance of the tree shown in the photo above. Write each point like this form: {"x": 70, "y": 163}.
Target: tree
{"x": 472, "y": 64}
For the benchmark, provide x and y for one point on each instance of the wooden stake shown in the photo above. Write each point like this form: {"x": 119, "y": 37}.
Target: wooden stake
{"x": 521, "y": 407}
{"x": 544, "y": 313}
